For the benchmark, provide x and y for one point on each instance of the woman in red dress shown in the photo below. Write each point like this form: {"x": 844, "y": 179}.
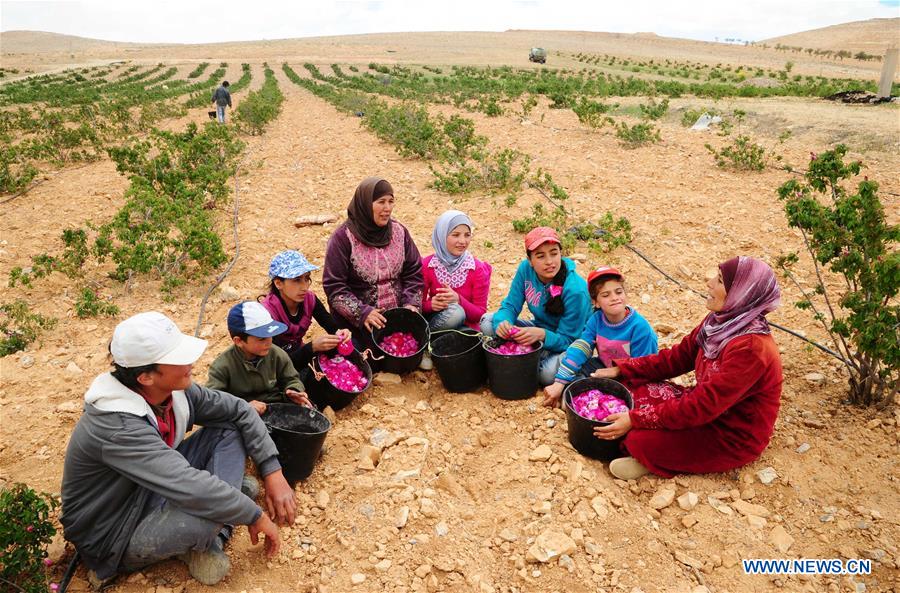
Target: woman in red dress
{"x": 726, "y": 420}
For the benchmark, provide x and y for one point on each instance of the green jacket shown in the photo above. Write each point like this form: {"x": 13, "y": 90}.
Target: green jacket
{"x": 265, "y": 381}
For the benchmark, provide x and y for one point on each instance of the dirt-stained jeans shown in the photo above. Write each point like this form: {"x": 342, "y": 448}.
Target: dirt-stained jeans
{"x": 166, "y": 531}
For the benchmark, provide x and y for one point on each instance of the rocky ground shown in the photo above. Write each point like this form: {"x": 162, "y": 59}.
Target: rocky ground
{"x": 424, "y": 490}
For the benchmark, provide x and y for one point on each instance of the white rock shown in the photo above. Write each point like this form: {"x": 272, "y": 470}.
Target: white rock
{"x": 383, "y": 439}
{"x": 748, "y": 508}
{"x": 662, "y": 498}
{"x": 387, "y": 379}
{"x": 383, "y": 566}
{"x": 441, "y": 529}
{"x": 73, "y": 368}
{"x": 767, "y": 475}
{"x": 719, "y": 505}
{"x": 598, "y": 503}
{"x": 428, "y": 508}
{"x": 576, "y": 468}
{"x": 402, "y": 517}
{"x": 549, "y": 545}
{"x": 803, "y": 448}
{"x": 781, "y": 539}
{"x": 70, "y": 406}
{"x": 508, "y": 535}
{"x": 756, "y": 522}
{"x": 688, "y": 501}
{"x": 228, "y": 293}
{"x": 322, "y": 499}
{"x": 815, "y": 378}
{"x": 27, "y": 361}
{"x": 357, "y": 578}
{"x": 541, "y": 453}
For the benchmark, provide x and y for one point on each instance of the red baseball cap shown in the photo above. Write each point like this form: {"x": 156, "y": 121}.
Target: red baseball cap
{"x": 605, "y": 271}
{"x": 540, "y": 235}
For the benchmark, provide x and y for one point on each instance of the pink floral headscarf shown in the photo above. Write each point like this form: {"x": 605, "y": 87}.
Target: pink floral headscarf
{"x": 753, "y": 293}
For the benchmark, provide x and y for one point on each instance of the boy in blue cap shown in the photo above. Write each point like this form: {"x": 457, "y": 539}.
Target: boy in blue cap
{"x": 254, "y": 369}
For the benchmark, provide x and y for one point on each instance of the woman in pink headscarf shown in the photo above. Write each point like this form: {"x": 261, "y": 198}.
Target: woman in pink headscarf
{"x": 726, "y": 420}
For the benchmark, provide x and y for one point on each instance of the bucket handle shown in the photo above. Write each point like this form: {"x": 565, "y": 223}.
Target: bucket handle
{"x": 439, "y": 332}
{"x": 316, "y": 374}
{"x": 367, "y": 354}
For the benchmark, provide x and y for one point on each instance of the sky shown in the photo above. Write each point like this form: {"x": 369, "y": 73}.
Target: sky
{"x": 206, "y": 21}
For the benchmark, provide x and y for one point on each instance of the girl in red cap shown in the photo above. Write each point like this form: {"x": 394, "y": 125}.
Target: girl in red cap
{"x": 726, "y": 420}
{"x": 556, "y": 297}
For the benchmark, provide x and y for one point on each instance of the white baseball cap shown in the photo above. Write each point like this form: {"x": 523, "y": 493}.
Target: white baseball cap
{"x": 153, "y": 338}
{"x": 253, "y": 319}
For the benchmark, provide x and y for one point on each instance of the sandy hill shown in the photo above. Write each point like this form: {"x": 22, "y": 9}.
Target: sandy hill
{"x": 42, "y": 42}
{"x": 872, "y": 36}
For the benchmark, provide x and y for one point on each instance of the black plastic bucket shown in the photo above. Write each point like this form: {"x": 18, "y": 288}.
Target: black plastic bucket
{"x": 324, "y": 393}
{"x": 581, "y": 430}
{"x": 401, "y": 319}
{"x": 298, "y": 433}
{"x": 459, "y": 360}
{"x": 512, "y": 377}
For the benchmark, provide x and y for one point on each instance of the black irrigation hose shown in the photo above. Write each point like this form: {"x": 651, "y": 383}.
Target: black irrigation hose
{"x": 601, "y": 232}
{"x": 70, "y": 572}
{"x": 237, "y": 252}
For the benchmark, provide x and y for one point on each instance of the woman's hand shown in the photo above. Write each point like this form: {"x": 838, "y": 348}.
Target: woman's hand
{"x": 448, "y": 295}
{"x": 280, "y": 498}
{"x": 529, "y": 335}
{"x": 608, "y": 373}
{"x": 325, "y": 343}
{"x": 343, "y": 334}
{"x": 374, "y": 320}
{"x": 621, "y": 423}
{"x": 503, "y": 329}
{"x": 259, "y": 406}
{"x": 438, "y": 303}
{"x": 298, "y": 397}
{"x": 552, "y": 394}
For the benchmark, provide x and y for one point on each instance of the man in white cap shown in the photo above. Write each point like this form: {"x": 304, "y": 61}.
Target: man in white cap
{"x": 135, "y": 491}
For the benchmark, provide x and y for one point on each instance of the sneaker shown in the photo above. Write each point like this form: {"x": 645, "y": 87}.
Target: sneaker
{"x": 426, "y": 364}
{"x": 98, "y": 584}
{"x": 208, "y": 567}
{"x": 250, "y": 487}
{"x": 627, "y": 468}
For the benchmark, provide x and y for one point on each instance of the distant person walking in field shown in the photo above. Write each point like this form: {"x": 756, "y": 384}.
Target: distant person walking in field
{"x": 222, "y": 98}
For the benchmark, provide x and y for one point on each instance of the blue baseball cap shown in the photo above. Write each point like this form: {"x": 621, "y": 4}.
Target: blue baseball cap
{"x": 289, "y": 264}
{"x": 253, "y": 319}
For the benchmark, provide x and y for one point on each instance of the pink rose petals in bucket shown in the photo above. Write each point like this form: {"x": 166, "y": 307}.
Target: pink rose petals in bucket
{"x": 596, "y": 405}
{"x": 343, "y": 374}
{"x": 400, "y": 344}
{"x": 510, "y": 348}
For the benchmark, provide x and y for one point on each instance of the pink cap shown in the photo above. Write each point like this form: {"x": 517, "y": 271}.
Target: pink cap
{"x": 540, "y": 235}
{"x": 604, "y": 271}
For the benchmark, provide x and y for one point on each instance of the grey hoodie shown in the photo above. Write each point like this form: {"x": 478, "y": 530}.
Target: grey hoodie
{"x": 116, "y": 458}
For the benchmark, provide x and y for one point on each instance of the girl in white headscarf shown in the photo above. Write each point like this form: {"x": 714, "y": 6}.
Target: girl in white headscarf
{"x": 456, "y": 283}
